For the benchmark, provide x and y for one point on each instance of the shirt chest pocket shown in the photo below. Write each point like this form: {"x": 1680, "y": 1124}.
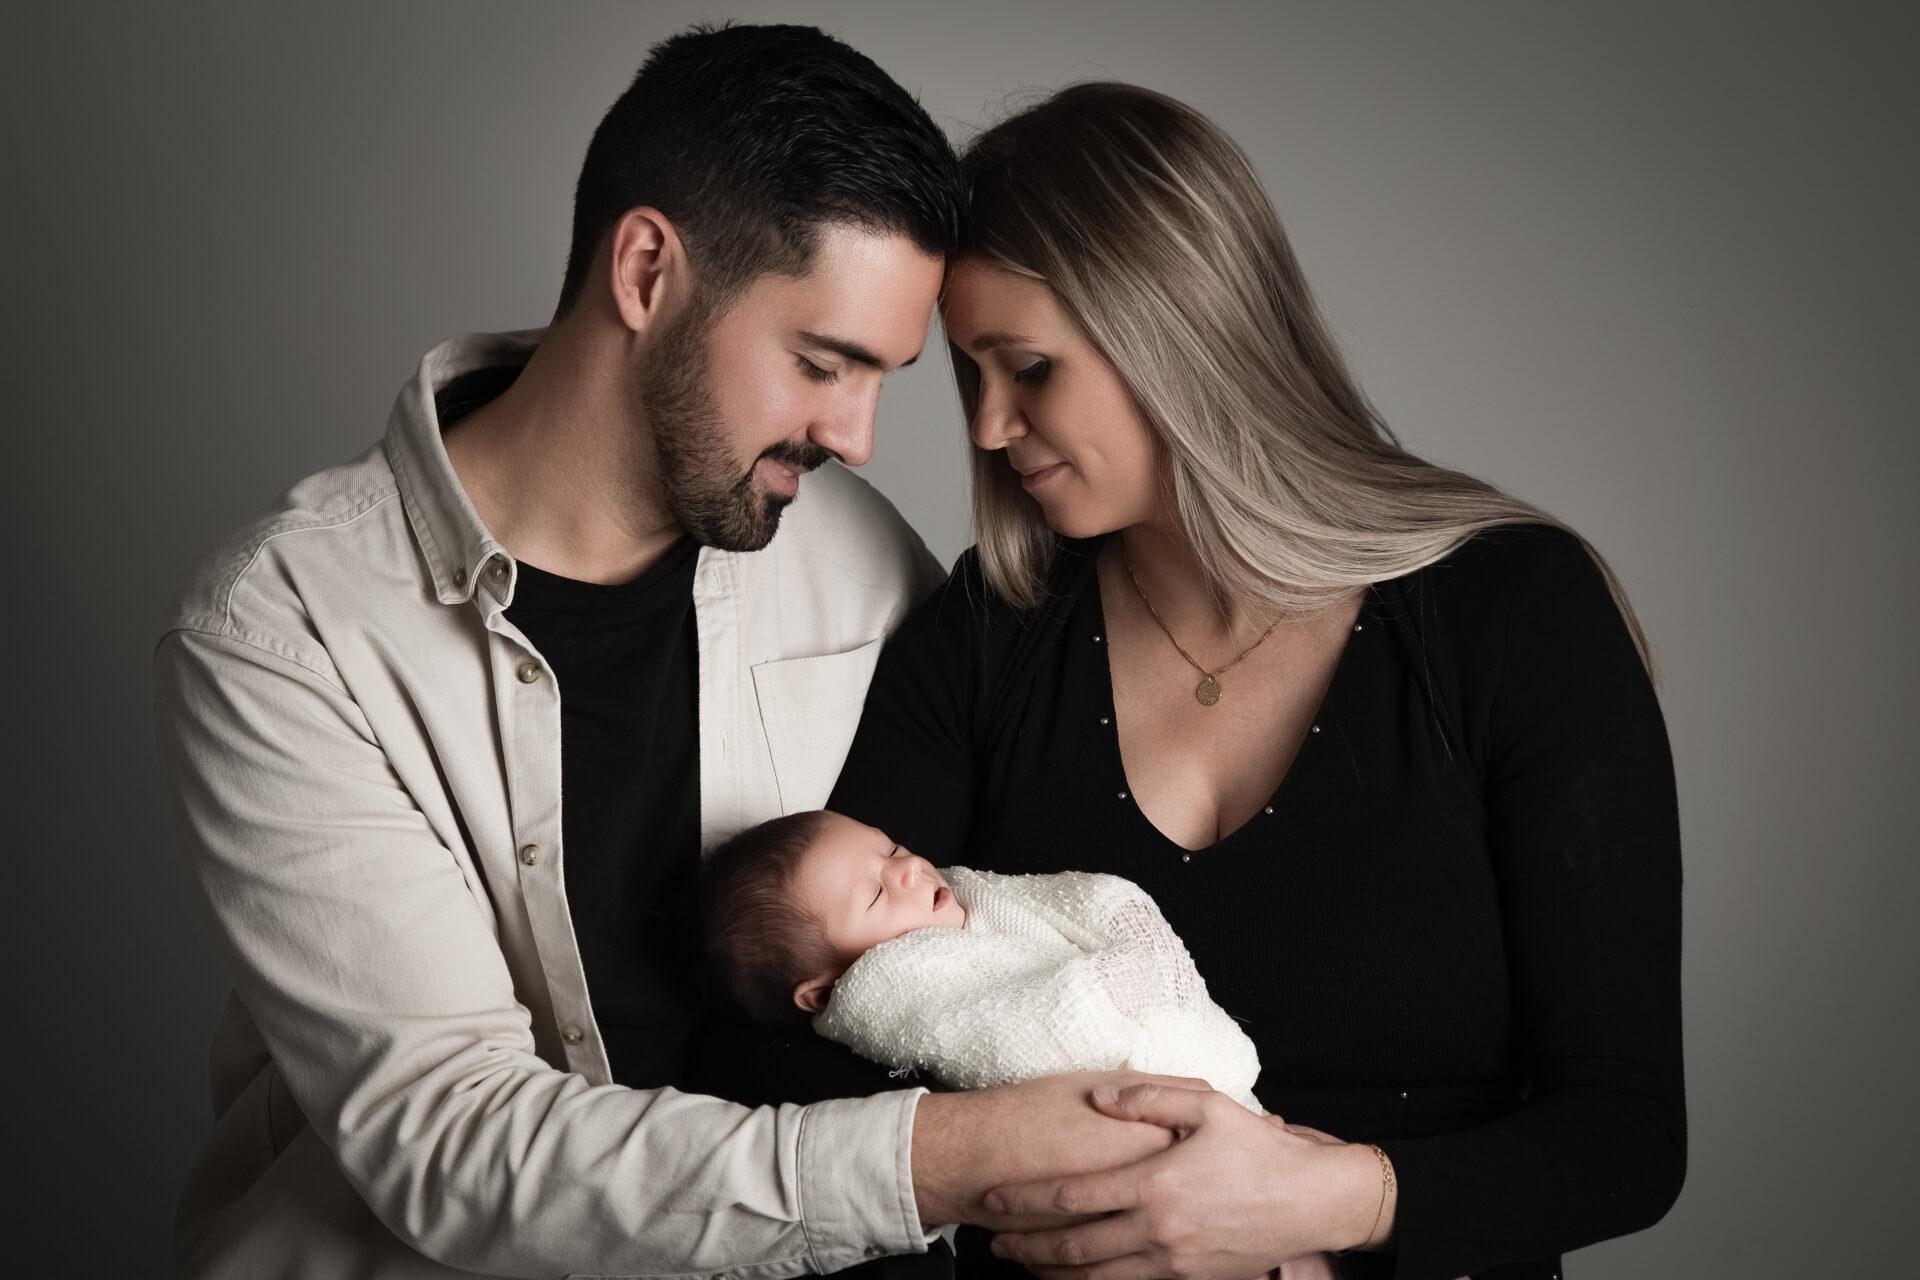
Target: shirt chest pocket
{"x": 809, "y": 709}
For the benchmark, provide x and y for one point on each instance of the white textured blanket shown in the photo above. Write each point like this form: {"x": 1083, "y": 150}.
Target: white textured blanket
{"x": 1067, "y": 972}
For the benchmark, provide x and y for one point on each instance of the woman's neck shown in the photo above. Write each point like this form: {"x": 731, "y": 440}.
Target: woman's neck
{"x": 1167, "y": 571}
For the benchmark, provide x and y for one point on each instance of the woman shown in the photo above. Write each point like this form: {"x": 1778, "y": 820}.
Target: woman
{"x": 1379, "y": 738}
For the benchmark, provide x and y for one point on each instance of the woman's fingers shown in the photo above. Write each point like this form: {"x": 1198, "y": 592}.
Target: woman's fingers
{"x": 1133, "y": 1267}
{"x": 1070, "y": 1197}
{"x": 1099, "y": 1241}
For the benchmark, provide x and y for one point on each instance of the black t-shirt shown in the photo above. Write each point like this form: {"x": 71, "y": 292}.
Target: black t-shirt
{"x": 625, "y": 657}
{"x": 1455, "y": 930}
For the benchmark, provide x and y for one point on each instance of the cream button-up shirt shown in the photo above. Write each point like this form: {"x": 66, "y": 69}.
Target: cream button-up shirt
{"x": 365, "y": 754}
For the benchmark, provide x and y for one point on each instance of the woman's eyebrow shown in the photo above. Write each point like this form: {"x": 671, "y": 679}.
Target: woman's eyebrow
{"x": 987, "y": 341}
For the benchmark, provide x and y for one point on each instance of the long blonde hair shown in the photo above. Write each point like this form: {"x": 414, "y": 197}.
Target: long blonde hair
{"x": 1152, "y": 229}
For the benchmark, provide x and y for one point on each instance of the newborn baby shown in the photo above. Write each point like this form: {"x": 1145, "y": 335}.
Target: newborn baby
{"x": 977, "y": 979}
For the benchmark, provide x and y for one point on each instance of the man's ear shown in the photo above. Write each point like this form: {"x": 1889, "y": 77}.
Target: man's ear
{"x": 647, "y": 267}
{"x": 812, "y": 994}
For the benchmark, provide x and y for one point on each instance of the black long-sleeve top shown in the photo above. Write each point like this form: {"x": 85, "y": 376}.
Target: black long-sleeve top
{"x": 1455, "y": 931}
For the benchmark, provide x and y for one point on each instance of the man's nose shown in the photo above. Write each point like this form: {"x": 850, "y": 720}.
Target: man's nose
{"x": 847, "y": 429}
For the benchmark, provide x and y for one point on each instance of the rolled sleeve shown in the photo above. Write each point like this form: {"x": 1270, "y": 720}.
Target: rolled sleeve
{"x": 856, "y": 1180}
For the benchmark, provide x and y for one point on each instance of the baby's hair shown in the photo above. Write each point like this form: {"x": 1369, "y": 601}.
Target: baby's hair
{"x": 759, "y": 942}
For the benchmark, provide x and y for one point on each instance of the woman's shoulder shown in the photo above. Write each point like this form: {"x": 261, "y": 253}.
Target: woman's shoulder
{"x": 1472, "y": 591}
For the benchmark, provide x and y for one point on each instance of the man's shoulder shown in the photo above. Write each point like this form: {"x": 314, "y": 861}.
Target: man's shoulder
{"x": 341, "y": 525}
{"x": 844, "y": 525}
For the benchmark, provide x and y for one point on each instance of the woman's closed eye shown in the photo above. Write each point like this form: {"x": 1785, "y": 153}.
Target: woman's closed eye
{"x": 1034, "y": 374}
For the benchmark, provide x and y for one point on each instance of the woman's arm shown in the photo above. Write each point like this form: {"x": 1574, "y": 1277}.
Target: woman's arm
{"x": 910, "y": 771}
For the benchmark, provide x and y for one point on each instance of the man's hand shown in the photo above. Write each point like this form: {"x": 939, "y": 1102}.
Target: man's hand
{"x": 966, "y": 1143}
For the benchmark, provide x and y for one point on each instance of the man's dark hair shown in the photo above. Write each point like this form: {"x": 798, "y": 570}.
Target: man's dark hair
{"x": 750, "y": 139}
{"x": 758, "y": 941}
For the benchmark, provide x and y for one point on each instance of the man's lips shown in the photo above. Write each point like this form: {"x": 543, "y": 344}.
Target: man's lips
{"x": 783, "y": 477}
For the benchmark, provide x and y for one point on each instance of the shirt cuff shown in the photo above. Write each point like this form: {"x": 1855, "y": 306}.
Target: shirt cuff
{"x": 856, "y": 1180}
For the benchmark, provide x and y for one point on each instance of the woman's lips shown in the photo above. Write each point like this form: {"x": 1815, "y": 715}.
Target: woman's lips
{"x": 1031, "y": 480}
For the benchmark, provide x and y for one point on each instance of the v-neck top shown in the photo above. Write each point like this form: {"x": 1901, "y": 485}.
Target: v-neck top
{"x": 1454, "y": 927}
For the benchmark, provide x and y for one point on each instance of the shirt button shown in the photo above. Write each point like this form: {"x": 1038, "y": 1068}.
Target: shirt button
{"x": 500, "y": 571}
{"x": 1316, "y": 728}
{"x": 459, "y": 577}
{"x": 1103, "y": 719}
{"x": 572, "y": 1034}
{"x": 530, "y": 672}
{"x": 530, "y": 855}
{"x": 875, "y": 1251}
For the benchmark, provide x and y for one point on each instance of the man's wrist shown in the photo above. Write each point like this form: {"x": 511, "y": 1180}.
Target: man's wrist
{"x": 940, "y": 1160}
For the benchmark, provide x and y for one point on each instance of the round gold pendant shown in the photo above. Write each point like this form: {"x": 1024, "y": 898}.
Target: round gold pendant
{"x": 1207, "y": 692}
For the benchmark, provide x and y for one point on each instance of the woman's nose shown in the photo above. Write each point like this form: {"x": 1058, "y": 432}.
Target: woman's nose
{"x": 996, "y": 421}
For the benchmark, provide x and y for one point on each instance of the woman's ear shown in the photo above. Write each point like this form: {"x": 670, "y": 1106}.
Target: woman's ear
{"x": 812, "y": 994}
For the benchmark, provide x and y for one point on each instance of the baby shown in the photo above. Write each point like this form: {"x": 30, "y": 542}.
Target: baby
{"x": 977, "y": 979}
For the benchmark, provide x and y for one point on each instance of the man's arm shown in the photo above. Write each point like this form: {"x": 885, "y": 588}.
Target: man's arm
{"x": 368, "y": 954}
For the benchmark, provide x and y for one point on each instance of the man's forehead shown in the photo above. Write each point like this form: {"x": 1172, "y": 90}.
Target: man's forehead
{"x": 866, "y": 296}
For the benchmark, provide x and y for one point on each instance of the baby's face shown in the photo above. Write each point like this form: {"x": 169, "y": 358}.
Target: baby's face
{"x": 864, "y": 889}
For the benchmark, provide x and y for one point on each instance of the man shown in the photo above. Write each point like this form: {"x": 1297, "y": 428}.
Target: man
{"x": 559, "y": 572}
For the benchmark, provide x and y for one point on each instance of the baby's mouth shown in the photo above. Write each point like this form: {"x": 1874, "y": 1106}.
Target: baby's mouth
{"x": 940, "y": 895}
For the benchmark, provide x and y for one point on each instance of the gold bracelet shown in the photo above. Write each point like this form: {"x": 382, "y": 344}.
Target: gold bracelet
{"x": 1387, "y": 1184}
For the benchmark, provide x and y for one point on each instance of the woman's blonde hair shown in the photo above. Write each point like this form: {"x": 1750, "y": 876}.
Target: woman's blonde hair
{"x": 1154, "y": 232}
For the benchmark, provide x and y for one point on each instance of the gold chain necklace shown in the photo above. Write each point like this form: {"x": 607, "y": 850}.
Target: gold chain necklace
{"x": 1207, "y": 692}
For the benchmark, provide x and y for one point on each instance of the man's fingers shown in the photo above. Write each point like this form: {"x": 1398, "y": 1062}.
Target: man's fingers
{"x": 1098, "y": 1241}
{"x": 1164, "y": 1105}
{"x": 1074, "y": 1197}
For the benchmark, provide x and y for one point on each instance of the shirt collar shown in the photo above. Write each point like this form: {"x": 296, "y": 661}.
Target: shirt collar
{"x": 457, "y": 547}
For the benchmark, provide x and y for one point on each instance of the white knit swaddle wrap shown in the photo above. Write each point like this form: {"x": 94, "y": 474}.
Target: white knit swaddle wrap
{"x": 1068, "y": 972}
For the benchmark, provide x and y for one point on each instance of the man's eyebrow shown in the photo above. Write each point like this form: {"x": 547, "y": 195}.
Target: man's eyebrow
{"x": 987, "y": 341}
{"x": 853, "y": 351}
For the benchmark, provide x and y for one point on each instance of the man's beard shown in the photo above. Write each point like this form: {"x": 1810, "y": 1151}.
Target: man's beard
{"x": 719, "y": 507}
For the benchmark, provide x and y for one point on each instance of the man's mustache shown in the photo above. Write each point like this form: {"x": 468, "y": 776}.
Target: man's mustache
{"x": 803, "y": 454}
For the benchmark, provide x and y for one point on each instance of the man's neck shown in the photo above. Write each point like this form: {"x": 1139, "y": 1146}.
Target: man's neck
{"x": 550, "y": 466}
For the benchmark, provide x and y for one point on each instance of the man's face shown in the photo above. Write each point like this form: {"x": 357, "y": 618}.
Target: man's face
{"x": 741, "y": 405}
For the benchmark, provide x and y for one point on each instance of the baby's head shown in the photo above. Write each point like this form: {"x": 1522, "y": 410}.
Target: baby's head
{"x": 786, "y": 906}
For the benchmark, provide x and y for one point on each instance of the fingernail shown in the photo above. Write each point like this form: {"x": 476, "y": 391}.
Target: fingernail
{"x": 1106, "y": 1095}
{"x": 994, "y": 1245}
{"x": 994, "y": 1203}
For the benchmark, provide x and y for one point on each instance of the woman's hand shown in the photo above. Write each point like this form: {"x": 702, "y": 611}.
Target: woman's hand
{"x": 1235, "y": 1195}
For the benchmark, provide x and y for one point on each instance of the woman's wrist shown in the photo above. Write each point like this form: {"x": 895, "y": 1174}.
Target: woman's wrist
{"x": 1367, "y": 1196}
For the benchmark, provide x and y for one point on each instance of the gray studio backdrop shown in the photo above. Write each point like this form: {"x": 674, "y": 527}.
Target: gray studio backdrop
{"x": 1651, "y": 266}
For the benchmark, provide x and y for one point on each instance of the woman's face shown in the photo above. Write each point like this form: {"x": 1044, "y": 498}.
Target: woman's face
{"x": 1061, "y": 413}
